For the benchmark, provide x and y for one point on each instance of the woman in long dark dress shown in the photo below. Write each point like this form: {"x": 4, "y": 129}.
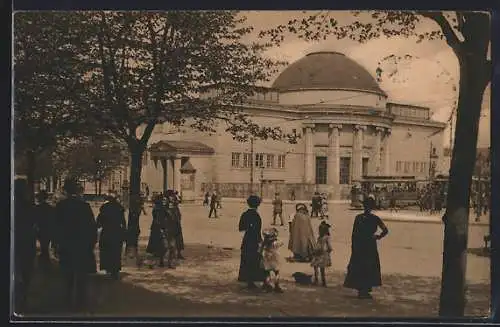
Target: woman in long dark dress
{"x": 363, "y": 271}
{"x": 159, "y": 243}
{"x": 111, "y": 220}
{"x": 251, "y": 223}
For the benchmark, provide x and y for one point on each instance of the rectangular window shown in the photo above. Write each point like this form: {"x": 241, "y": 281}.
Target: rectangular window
{"x": 281, "y": 161}
{"x": 247, "y": 159}
{"x": 364, "y": 167}
{"x": 235, "y": 160}
{"x": 321, "y": 170}
{"x": 345, "y": 170}
{"x": 406, "y": 167}
{"x": 270, "y": 161}
{"x": 259, "y": 160}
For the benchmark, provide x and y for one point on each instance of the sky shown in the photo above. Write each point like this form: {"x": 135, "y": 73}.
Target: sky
{"x": 427, "y": 80}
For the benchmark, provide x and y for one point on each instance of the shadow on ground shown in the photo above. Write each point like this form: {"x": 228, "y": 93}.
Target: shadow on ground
{"x": 204, "y": 285}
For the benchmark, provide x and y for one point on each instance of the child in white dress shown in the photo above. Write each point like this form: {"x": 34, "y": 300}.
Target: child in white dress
{"x": 322, "y": 253}
{"x": 271, "y": 259}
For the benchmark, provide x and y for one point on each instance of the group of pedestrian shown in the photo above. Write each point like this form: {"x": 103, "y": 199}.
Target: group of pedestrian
{"x": 214, "y": 201}
{"x": 319, "y": 206}
{"x": 260, "y": 259}
{"x": 165, "y": 238}
{"x": 431, "y": 198}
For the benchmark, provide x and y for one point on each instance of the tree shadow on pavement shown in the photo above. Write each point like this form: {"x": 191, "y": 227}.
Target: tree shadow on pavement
{"x": 204, "y": 285}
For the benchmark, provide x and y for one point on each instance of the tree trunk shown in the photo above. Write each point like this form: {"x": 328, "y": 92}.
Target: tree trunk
{"x": 456, "y": 218}
{"x": 100, "y": 186}
{"x": 30, "y": 174}
{"x": 134, "y": 194}
{"x": 96, "y": 191}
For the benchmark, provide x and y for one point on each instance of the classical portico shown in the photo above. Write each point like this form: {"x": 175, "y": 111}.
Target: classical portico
{"x": 377, "y": 155}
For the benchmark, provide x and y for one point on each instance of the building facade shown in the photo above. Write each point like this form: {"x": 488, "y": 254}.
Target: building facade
{"x": 348, "y": 129}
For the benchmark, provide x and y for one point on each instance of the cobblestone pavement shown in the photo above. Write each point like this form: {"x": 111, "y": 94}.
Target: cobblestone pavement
{"x": 205, "y": 283}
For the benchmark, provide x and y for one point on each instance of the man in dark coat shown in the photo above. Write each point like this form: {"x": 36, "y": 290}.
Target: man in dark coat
{"x": 45, "y": 224}
{"x": 111, "y": 220}
{"x": 24, "y": 243}
{"x": 76, "y": 238}
{"x": 315, "y": 204}
{"x": 213, "y": 205}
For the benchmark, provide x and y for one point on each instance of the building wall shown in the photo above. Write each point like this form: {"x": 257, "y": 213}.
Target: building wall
{"x": 409, "y": 144}
{"x": 334, "y": 97}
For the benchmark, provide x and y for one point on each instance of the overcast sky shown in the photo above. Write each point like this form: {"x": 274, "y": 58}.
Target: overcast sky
{"x": 417, "y": 81}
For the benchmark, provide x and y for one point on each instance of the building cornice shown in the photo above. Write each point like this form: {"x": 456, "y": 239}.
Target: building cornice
{"x": 301, "y": 89}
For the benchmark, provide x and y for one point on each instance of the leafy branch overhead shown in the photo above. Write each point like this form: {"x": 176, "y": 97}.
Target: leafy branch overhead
{"x": 147, "y": 68}
{"x": 461, "y": 30}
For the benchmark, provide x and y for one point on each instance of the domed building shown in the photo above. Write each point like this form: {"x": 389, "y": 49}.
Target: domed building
{"x": 348, "y": 129}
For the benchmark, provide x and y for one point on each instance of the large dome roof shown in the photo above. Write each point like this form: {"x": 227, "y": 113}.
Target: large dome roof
{"x": 326, "y": 70}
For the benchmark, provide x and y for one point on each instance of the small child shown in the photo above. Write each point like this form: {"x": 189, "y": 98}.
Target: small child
{"x": 271, "y": 259}
{"x": 321, "y": 256}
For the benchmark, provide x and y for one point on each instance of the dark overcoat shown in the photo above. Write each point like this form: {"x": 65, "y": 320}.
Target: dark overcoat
{"x": 76, "y": 235}
{"x": 250, "y": 264}
{"x": 111, "y": 221}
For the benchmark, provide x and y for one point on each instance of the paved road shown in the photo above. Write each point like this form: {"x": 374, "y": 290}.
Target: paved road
{"x": 409, "y": 249}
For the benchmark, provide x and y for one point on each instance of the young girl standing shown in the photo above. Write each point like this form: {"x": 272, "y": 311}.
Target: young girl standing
{"x": 321, "y": 257}
{"x": 271, "y": 259}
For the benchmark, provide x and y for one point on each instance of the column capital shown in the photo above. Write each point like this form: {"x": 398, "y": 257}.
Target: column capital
{"x": 360, "y": 127}
{"x": 379, "y": 129}
{"x": 335, "y": 126}
{"x": 387, "y": 131}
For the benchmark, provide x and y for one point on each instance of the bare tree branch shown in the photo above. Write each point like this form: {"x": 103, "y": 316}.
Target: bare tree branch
{"x": 450, "y": 35}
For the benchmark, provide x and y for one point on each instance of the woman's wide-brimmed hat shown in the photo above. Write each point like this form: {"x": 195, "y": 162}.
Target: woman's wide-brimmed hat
{"x": 253, "y": 201}
{"x": 300, "y": 206}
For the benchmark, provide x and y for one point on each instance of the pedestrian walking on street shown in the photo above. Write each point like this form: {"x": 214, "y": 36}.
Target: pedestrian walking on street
{"x": 45, "y": 224}
{"x": 363, "y": 271}
{"x": 322, "y": 253}
{"x": 176, "y": 229}
{"x": 160, "y": 241}
{"x": 219, "y": 201}
{"x": 271, "y": 260}
{"x": 76, "y": 239}
{"x": 315, "y": 205}
{"x": 111, "y": 221}
{"x": 24, "y": 244}
{"x": 251, "y": 270}
{"x": 206, "y": 199}
{"x": 302, "y": 240}
{"x": 278, "y": 209}
{"x": 213, "y": 205}
{"x": 292, "y": 195}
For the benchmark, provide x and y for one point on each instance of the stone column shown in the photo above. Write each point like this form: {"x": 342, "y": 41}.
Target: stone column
{"x": 357, "y": 152}
{"x": 177, "y": 174}
{"x": 377, "y": 151}
{"x": 333, "y": 170}
{"x": 309, "y": 154}
{"x": 386, "y": 161}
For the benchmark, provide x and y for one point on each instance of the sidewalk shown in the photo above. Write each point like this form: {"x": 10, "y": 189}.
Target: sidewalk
{"x": 204, "y": 285}
{"x": 424, "y": 217}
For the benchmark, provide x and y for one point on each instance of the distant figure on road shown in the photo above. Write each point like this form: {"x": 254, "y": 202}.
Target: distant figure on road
{"x": 292, "y": 195}
{"x": 76, "y": 239}
{"x": 251, "y": 270}
{"x": 302, "y": 240}
{"x": 322, "y": 253}
{"x": 111, "y": 221}
{"x": 277, "y": 209}
{"x": 392, "y": 201}
{"x": 324, "y": 206}
{"x": 206, "y": 199}
{"x": 45, "y": 216}
{"x": 363, "y": 271}
{"x": 219, "y": 201}
{"x": 24, "y": 243}
{"x": 315, "y": 205}
{"x": 213, "y": 205}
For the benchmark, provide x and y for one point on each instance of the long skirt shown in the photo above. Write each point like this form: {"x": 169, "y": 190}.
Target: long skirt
{"x": 363, "y": 271}
{"x": 110, "y": 254}
{"x": 251, "y": 268}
